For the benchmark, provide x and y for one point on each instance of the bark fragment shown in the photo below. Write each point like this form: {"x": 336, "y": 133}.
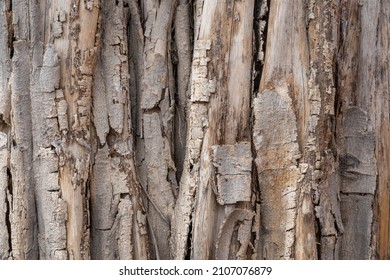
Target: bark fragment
{"x": 233, "y": 167}
{"x": 357, "y": 162}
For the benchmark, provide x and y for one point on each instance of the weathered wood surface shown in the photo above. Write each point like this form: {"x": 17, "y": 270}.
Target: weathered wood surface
{"x": 204, "y": 129}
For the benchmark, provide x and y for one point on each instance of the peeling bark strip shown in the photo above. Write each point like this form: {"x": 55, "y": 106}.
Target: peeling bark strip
{"x": 23, "y": 215}
{"x": 320, "y": 151}
{"x": 218, "y": 115}
{"x": 51, "y": 208}
{"x": 197, "y": 120}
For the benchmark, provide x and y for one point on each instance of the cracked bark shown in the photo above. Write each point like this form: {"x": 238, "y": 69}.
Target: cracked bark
{"x": 194, "y": 129}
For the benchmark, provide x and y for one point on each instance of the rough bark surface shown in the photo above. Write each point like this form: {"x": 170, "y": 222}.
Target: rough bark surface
{"x": 204, "y": 129}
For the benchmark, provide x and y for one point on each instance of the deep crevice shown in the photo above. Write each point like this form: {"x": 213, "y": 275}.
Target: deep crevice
{"x": 317, "y": 228}
{"x": 257, "y": 70}
{"x": 259, "y": 36}
{"x": 355, "y": 194}
{"x": 189, "y": 240}
{"x": 181, "y": 98}
{"x": 8, "y": 209}
{"x": 85, "y": 243}
{"x": 134, "y": 46}
{"x": 125, "y": 196}
{"x": 112, "y": 137}
{"x": 11, "y": 35}
{"x": 375, "y": 223}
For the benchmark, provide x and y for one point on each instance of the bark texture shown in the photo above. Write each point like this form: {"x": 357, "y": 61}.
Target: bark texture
{"x": 202, "y": 129}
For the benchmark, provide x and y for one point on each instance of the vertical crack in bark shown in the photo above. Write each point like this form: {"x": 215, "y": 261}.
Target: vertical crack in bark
{"x": 260, "y": 30}
{"x": 183, "y": 38}
{"x": 9, "y": 210}
{"x": 188, "y": 250}
{"x": 135, "y": 43}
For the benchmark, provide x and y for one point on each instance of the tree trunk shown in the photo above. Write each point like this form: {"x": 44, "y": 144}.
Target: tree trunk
{"x": 204, "y": 129}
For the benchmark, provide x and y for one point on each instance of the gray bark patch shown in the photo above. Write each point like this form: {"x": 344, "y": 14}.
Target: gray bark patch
{"x": 234, "y": 166}
{"x": 357, "y": 163}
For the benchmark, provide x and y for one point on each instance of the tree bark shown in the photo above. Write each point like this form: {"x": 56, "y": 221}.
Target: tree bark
{"x": 202, "y": 129}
